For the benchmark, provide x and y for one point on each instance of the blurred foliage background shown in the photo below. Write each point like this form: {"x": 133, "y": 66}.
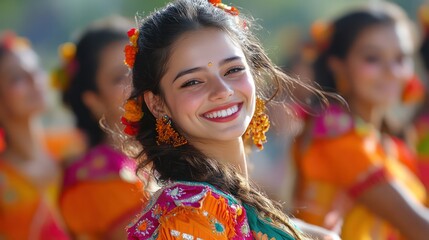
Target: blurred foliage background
{"x": 48, "y": 23}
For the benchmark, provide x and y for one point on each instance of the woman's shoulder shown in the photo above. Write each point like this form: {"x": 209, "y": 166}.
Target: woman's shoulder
{"x": 100, "y": 163}
{"x": 191, "y": 209}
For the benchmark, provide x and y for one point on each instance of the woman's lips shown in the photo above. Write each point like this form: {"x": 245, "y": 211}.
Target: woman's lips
{"x": 225, "y": 113}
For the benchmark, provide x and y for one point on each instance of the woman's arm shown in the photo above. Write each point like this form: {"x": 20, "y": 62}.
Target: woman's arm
{"x": 391, "y": 202}
{"x": 315, "y": 232}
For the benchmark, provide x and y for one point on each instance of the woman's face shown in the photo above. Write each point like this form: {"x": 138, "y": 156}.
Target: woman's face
{"x": 22, "y": 84}
{"x": 112, "y": 81}
{"x": 208, "y": 89}
{"x": 378, "y": 65}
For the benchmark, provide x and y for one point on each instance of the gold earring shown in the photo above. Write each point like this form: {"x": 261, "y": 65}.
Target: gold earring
{"x": 166, "y": 133}
{"x": 259, "y": 125}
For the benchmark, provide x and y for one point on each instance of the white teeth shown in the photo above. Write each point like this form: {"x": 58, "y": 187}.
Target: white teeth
{"x": 223, "y": 113}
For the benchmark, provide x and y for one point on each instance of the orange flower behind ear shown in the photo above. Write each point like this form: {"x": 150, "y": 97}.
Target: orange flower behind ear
{"x": 132, "y": 116}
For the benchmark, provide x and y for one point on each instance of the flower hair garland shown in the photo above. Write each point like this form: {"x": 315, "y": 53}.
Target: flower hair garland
{"x": 61, "y": 77}
{"x": 229, "y": 9}
{"x": 424, "y": 18}
{"x": 131, "y": 49}
{"x": 321, "y": 32}
{"x": 132, "y": 115}
{"x": 10, "y": 41}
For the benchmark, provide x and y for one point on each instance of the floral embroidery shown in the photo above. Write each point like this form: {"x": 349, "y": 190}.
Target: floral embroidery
{"x": 219, "y": 214}
{"x": 261, "y": 236}
{"x": 144, "y": 226}
{"x": 174, "y": 233}
{"x": 245, "y": 230}
{"x": 175, "y": 193}
{"x": 157, "y": 211}
{"x": 218, "y": 227}
{"x": 187, "y": 236}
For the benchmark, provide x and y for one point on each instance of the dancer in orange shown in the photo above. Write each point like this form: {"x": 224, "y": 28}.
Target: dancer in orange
{"x": 29, "y": 175}
{"x": 353, "y": 176}
{"x": 101, "y": 193}
{"x": 422, "y": 122}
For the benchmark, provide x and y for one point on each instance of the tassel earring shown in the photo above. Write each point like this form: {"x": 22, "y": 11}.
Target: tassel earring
{"x": 259, "y": 125}
{"x": 167, "y": 134}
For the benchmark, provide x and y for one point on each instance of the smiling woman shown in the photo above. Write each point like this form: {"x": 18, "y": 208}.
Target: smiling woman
{"x": 200, "y": 84}
{"x": 353, "y": 176}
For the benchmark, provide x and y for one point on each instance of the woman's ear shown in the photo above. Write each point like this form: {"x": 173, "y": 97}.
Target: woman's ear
{"x": 338, "y": 68}
{"x": 93, "y": 102}
{"x": 154, "y": 103}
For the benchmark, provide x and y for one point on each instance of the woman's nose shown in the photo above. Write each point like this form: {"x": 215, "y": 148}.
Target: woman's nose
{"x": 220, "y": 89}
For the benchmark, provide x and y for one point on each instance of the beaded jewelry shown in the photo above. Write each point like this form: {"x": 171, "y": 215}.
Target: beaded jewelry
{"x": 259, "y": 125}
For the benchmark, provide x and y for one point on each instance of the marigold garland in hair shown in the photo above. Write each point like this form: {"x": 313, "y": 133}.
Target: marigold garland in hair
{"x": 229, "y": 9}
{"x": 61, "y": 77}
{"x": 131, "y": 49}
{"x": 132, "y": 116}
{"x": 424, "y": 18}
{"x": 321, "y": 33}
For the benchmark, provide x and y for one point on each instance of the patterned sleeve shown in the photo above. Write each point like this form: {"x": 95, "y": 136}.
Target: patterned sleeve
{"x": 186, "y": 212}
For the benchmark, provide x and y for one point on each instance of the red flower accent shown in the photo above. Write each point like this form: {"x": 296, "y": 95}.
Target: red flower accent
{"x": 215, "y": 1}
{"x": 131, "y": 32}
{"x": 131, "y": 128}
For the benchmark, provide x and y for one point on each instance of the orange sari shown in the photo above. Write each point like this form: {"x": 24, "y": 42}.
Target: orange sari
{"x": 28, "y": 211}
{"x": 343, "y": 158}
{"x": 100, "y": 193}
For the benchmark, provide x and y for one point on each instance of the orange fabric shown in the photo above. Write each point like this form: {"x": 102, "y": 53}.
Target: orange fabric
{"x": 91, "y": 207}
{"x": 27, "y": 212}
{"x": 341, "y": 160}
{"x": 64, "y": 144}
{"x": 194, "y": 221}
{"x": 331, "y": 167}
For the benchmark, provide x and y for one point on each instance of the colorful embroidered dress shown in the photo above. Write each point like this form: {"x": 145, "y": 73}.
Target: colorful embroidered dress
{"x": 28, "y": 211}
{"x": 100, "y": 190}
{"x": 190, "y": 210}
{"x": 422, "y": 129}
{"x": 342, "y": 158}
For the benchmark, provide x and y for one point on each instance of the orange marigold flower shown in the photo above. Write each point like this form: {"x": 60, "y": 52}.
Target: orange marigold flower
{"x": 215, "y": 1}
{"x": 131, "y": 49}
{"x": 130, "y": 55}
{"x": 133, "y": 112}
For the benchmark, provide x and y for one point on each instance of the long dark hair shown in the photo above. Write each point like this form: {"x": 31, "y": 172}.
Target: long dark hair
{"x": 157, "y": 34}
{"x": 345, "y": 31}
{"x": 88, "y": 50}
{"x": 424, "y": 51}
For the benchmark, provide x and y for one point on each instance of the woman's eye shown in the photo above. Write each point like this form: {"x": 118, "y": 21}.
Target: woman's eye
{"x": 371, "y": 59}
{"x": 190, "y": 83}
{"x": 234, "y": 70}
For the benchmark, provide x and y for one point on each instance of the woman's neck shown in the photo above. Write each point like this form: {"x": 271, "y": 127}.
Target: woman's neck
{"x": 23, "y": 139}
{"x": 230, "y": 152}
{"x": 368, "y": 112}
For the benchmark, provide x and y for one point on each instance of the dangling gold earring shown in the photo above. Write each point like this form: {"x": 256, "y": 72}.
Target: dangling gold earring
{"x": 259, "y": 125}
{"x": 167, "y": 134}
